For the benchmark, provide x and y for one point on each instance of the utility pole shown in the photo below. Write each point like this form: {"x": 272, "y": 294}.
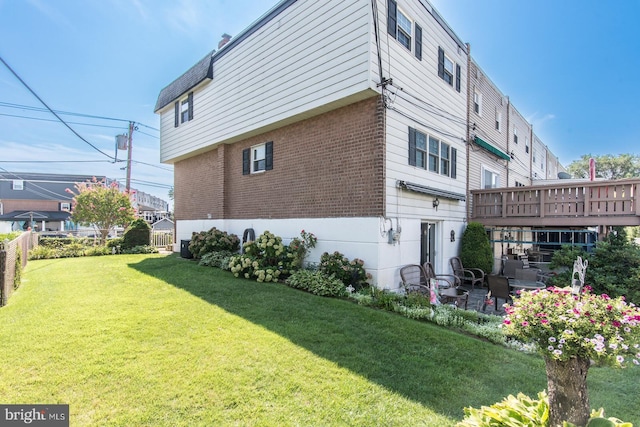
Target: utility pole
{"x": 129, "y": 142}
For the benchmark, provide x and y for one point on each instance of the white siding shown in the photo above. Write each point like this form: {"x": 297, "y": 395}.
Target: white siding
{"x": 312, "y": 57}
{"x": 420, "y": 99}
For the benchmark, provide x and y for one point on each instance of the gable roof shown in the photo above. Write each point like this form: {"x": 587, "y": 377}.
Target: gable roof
{"x": 204, "y": 68}
{"x": 191, "y": 78}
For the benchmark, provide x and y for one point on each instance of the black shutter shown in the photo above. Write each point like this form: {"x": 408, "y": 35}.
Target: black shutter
{"x": 418, "y": 42}
{"x": 412, "y": 146}
{"x": 268, "y": 156}
{"x": 176, "y": 122}
{"x": 246, "y": 161}
{"x": 454, "y": 162}
{"x": 392, "y": 17}
{"x": 190, "y": 101}
{"x": 440, "y": 62}
{"x": 458, "y": 77}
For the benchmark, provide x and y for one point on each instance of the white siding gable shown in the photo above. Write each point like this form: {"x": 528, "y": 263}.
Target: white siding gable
{"x": 312, "y": 57}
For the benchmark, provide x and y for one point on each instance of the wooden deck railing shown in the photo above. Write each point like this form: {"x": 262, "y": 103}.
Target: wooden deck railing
{"x": 590, "y": 203}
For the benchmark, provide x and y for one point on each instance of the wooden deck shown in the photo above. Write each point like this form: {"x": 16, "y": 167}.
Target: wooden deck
{"x": 579, "y": 204}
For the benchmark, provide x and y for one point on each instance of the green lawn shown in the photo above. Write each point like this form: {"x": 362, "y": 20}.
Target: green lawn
{"x": 157, "y": 340}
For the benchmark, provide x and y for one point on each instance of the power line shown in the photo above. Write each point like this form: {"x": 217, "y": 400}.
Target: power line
{"x": 69, "y": 113}
{"x": 51, "y": 110}
{"x": 72, "y": 123}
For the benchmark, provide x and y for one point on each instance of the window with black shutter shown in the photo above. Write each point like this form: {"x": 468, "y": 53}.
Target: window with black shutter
{"x": 258, "y": 158}
{"x": 392, "y": 17}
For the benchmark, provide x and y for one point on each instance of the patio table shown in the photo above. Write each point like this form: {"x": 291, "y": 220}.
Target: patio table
{"x": 526, "y": 284}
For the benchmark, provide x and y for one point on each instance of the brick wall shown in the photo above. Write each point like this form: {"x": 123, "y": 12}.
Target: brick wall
{"x": 331, "y": 165}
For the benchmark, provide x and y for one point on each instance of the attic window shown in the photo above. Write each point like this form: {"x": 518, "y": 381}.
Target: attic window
{"x": 184, "y": 110}
{"x": 17, "y": 184}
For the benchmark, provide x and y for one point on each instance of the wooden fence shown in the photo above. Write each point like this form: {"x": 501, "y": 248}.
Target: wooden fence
{"x": 13, "y": 258}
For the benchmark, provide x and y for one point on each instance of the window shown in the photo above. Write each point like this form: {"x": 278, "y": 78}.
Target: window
{"x": 400, "y": 26}
{"x": 436, "y": 156}
{"x": 515, "y": 135}
{"x": 17, "y": 184}
{"x": 446, "y": 69}
{"x": 526, "y": 144}
{"x": 258, "y": 158}
{"x": 477, "y": 102}
{"x": 490, "y": 179}
{"x": 65, "y": 206}
{"x": 535, "y": 154}
{"x": 404, "y": 30}
{"x": 184, "y": 110}
{"x": 498, "y": 120}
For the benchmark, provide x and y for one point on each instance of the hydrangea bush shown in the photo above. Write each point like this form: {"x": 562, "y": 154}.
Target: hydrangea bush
{"x": 264, "y": 259}
{"x": 563, "y": 325}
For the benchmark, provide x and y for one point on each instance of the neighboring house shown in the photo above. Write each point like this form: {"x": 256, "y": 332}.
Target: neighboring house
{"x": 41, "y": 201}
{"x": 487, "y": 151}
{"x": 165, "y": 224}
{"x": 37, "y": 200}
{"x": 519, "y": 148}
{"x": 335, "y": 117}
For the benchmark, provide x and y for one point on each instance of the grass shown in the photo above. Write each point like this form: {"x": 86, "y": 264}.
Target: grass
{"x": 157, "y": 340}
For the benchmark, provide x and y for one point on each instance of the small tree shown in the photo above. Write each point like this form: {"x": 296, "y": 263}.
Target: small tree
{"x": 138, "y": 234}
{"x": 571, "y": 332}
{"x": 102, "y": 206}
{"x": 475, "y": 251}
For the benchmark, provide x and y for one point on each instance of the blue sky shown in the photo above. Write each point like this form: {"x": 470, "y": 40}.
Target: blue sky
{"x": 569, "y": 67}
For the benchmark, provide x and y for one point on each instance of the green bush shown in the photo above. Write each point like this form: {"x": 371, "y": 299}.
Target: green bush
{"x": 42, "y": 252}
{"x": 218, "y": 259}
{"x": 17, "y": 278}
{"x": 523, "y": 411}
{"x": 317, "y": 283}
{"x": 475, "y": 248}
{"x": 614, "y": 267}
{"x": 351, "y": 273}
{"x": 213, "y": 240}
{"x": 140, "y": 249}
{"x": 137, "y": 234}
{"x": 116, "y": 242}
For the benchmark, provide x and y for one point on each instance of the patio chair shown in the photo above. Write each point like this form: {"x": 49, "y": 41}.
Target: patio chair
{"x": 449, "y": 290}
{"x": 414, "y": 279}
{"x": 443, "y": 280}
{"x": 472, "y": 276}
{"x": 499, "y": 288}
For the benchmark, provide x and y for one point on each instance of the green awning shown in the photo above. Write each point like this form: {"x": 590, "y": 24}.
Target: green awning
{"x": 490, "y": 148}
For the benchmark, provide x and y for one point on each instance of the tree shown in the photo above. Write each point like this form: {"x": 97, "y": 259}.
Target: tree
{"x": 102, "y": 206}
{"x": 475, "y": 248}
{"x": 607, "y": 166}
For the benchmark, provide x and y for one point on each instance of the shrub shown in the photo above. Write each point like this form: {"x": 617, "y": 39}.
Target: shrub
{"x": 299, "y": 247}
{"x": 265, "y": 259}
{"x": 218, "y": 259}
{"x": 475, "y": 248}
{"x": 213, "y": 240}
{"x": 351, "y": 273}
{"x": 141, "y": 249}
{"x": 138, "y": 234}
{"x": 17, "y": 278}
{"x": 115, "y": 242}
{"x": 522, "y": 410}
{"x": 317, "y": 283}
{"x": 42, "y": 252}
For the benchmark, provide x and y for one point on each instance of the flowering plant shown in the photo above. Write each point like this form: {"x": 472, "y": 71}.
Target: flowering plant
{"x": 564, "y": 325}
{"x": 299, "y": 247}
